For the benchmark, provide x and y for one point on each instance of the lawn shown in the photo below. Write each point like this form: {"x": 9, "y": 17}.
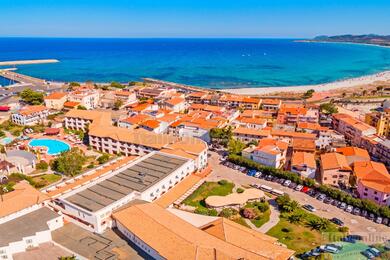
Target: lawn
{"x": 261, "y": 219}
{"x": 262, "y": 216}
{"x": 46, "y": 179}
{"x": 300, "y": 237}
{"x": 296, "y": 237}
{"x": 196, "y": 199}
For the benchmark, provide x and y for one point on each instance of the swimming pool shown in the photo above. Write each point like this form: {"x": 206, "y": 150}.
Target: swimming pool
{"x": 6, "y": 140}
{"x": 54, "y": 147}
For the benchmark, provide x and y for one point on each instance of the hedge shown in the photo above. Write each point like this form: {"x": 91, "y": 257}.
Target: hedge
{"x": 336, "y": 194}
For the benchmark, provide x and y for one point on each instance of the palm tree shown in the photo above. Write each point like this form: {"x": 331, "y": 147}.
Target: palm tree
{"x": 295, "y": 218}
{"x": 290, "y": 206}
{"x": 318, "y": 224}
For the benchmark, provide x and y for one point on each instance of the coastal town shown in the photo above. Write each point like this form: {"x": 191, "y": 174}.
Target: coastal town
{"x": 158, "y": 170}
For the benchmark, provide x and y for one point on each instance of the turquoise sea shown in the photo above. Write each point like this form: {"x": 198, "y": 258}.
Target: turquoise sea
{"x": 214, "y": 63}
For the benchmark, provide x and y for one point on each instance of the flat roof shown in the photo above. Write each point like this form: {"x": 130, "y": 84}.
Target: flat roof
{"x": 138, "y": 177}
{"x": 26, "y": 225}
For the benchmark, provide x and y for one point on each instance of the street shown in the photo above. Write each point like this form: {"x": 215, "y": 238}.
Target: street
{"x": 372, "y": 232}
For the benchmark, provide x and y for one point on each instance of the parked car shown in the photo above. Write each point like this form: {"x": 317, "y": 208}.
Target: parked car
{"x": 371, "y": 216}
{"x": 281, "y": 181}
{"x": 385, "y": 221}
{"x": 311, "y": 193}
{"x": 269, "y": 177}
{"x": 292, "y": 185}
{"x": 306, "y": 190}
{"x": 309, "y": 208}
{"x": 321, "y": 197}
{"x": 334, "y": 203}
{"x": 286, "y": 183}
{"x": 275, "y": 179}
{"x": 374, "y": 251}
{"x": 364, "y": 213}
{"x": 379, "y": 220}
{"x": 328, "y": 200}
{"x": 356, "y": 211}
{"x": 349, "y": 209}
{"x": 343, "y": 205}
{"x": 337, "y": 221}
{"x": 299, "y": 187}
{"x": 368, "y": 254}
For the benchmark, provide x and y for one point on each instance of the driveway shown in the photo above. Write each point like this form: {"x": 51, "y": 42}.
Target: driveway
{"x": 372, "y": 232}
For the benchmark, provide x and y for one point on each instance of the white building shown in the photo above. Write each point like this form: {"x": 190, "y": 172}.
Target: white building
{"x": 304, "y": 164}
{"x": 28, "y": 231}
{"x": 30, "y": 115}
{"x": 146, "y": 178}
{"x": 269, "y": 152}
{"x": 85, "y": 96}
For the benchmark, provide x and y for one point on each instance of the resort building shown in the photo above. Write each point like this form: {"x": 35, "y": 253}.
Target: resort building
{"x": 250, "y": 122}
{"x": 155, "y": 92}
{"x": 86, "y": 96}
{"x": 56, "y": 100}
{"x": 30, "y": 115}
{"x": 304, "y": 164}
{"x": 235, "y": 101}
{"x": 373, "y": 181}
{"x": 196, "y": 97}
{"x": 108, "y": 99}
{"x": 28, "y": 231}
{"x": 133, "y": 121}
{"x": 335, "y": 169}
{"x": 380, "y": 120}
{"x": 146, "y": 178}
{"x": 269, "y": 152}
{"x": 164, "y": 235}
{"x": 105, "y": 137}
{"x": 247, "y": 135}
{"x": 353, "y": 129}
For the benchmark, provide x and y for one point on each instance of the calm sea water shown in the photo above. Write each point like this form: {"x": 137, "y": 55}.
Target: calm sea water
{"x": 216, "y": 63}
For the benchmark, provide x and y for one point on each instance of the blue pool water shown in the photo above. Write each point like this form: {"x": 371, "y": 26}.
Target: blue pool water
{"x": 6, "y": 140}
{"x": 214, "y": 63}
{"x": 54, "y": 146}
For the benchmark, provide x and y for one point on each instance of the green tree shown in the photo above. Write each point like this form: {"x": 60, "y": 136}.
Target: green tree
{"x": 118, "y": 104}
{"x": 42, "y": 165}
{"x": 235, "y": 146}
{"x": 308, "y": 94}
{"x": 70, "y": 162}
{"x": 296, "y": 217}
{"x": 115, "y": 84}
{"x": 103, "y": 158}
{"x": 81, "y": 107}
{"x": 328, "y": 108}
{"x": 31, "y": 97}
{"x": 318, "y": 224}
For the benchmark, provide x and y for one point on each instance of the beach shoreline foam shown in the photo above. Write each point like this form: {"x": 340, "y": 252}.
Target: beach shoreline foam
{"x": 337, "y": 85}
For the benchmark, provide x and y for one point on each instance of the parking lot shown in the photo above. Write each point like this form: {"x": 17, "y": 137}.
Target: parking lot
{"x": 370, "y": 231}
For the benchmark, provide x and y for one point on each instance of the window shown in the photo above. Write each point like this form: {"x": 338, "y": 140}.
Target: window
{"x": 29, "y": 241}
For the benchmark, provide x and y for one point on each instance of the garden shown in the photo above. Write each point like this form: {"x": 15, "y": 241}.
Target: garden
{"x": 300, "y": 230}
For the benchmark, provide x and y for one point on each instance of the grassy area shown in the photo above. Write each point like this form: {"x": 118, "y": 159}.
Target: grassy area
{"x": 296, "y": 237}
{"x": 262, "y": 211}
{"x": 299, "y": 236}
{"x": 46, "y": 179}
{"x": 196, "y": 199}
{"x": 241, "y": 221}
{"x": 261, "y": 219}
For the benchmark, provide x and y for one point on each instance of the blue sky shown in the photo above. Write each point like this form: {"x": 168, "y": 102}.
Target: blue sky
{"x": 190, "y": 18}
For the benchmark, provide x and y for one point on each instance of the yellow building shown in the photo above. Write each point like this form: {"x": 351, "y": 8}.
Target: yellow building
{"x": 381, "y": 121}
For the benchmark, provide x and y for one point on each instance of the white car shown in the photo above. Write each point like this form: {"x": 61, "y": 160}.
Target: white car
{"x": 257, "y": 174}
{"x": 349, "y": 209}
{"x": 299, "y": 187}
{"x": 286, "y": 183}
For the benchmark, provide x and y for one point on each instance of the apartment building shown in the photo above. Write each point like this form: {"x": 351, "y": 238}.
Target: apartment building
{"x": 30, "y": 115}
{"x": 56, "y": 100}
{"x": 304, "y": 164}
{"x": 380, "y": 120}
{"x": 353, "y": 129}
{"x": 335, "y": 169}
{"x": 269, "y": 152}
{"x": 86, "y": 96}
{"x": 373, "y": 181}
{"x": 247, "y": 135}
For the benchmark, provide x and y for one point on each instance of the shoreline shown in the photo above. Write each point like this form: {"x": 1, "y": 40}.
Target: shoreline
{"x": 336, "y": 85}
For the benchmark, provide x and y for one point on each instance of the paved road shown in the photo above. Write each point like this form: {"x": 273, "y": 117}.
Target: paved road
{"x": 373, "y": 232}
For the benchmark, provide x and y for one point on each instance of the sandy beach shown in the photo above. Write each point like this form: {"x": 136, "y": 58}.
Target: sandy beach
{"x": 342, "y": 84}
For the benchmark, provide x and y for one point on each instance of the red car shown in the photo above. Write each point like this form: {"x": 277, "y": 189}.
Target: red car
{"x": 4, "y": 108}
{"x": 305, "y": 189}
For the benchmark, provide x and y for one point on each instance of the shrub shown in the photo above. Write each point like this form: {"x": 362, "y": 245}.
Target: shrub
{"x": 263, "y": 206}
{"x": 228, "y": 212}
{"x": 343, "y": 229}
{"x": 286, "y": 230}
{"x": 222, "y": 182}
{"x": 248, "y": 213}
{"x": 42, "y": 165}
{"x": 240, "y": 190}
{"x": 103, "y": 158}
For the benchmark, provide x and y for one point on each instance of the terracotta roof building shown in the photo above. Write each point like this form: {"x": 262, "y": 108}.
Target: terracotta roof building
{"x": 335, "y": 169}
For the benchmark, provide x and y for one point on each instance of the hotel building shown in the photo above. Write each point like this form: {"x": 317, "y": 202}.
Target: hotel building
{"x": 30, "y": 115}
